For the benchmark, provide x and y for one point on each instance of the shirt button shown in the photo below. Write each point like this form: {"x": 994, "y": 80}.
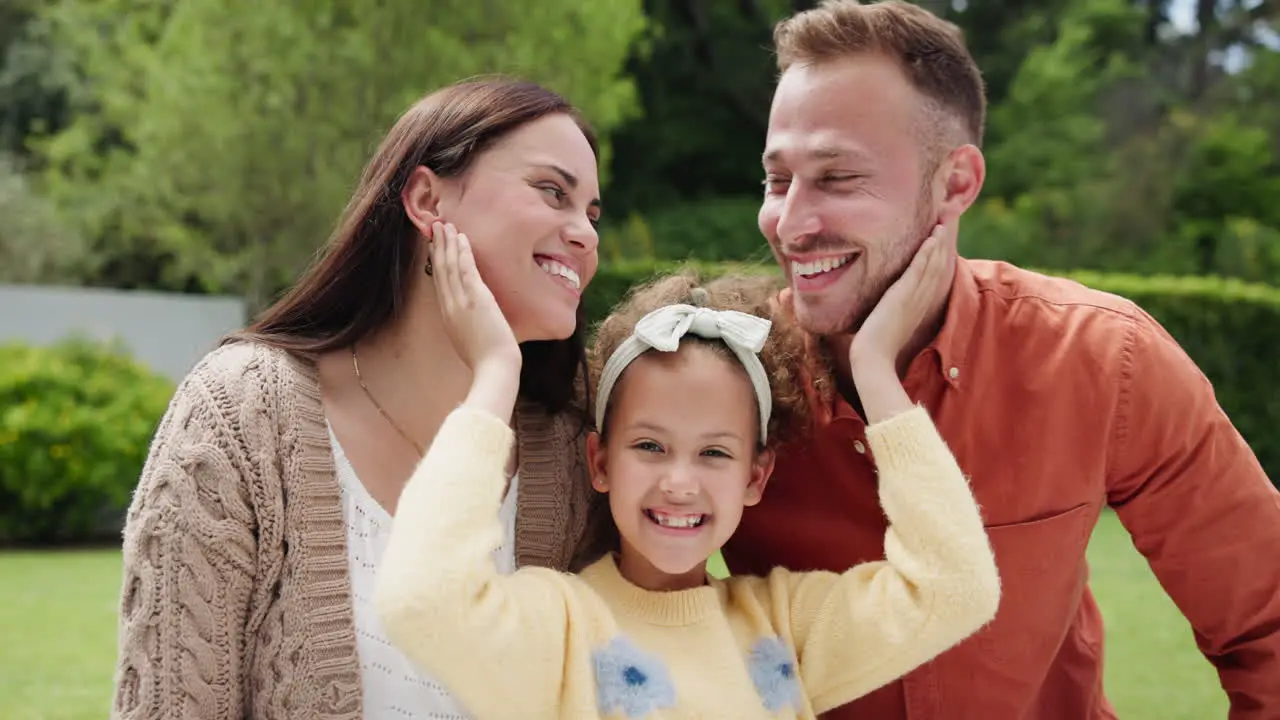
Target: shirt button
{"x": 857, "y": 445}
{"x": 954, "y": 373}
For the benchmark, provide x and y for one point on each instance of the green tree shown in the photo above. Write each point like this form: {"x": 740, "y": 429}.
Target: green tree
{"x": 706, "y": 77}
{"x": 35, "y": 80}
{"x": 221, "y": 140}
{"x": 36, "y": 246}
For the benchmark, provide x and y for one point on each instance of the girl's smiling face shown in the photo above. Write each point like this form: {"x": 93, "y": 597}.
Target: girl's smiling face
{"x": 680, "y": 460}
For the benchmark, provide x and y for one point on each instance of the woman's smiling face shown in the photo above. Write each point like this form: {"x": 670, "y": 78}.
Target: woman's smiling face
{"x": 530, "y": 205}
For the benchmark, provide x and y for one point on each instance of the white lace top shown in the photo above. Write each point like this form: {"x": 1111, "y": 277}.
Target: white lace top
{"x": 393, "y": 688}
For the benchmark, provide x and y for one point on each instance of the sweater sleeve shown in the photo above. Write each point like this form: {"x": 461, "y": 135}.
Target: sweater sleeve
{"x": 859, "y": 630}
{"x": 188, "y": 558}
{"x": 498, "y": 643}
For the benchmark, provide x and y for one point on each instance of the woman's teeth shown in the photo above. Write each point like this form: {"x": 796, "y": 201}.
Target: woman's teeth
{"x": 676, "y": 521}
{"x": 551, "y": 267}
{"x": 817, "y": 267}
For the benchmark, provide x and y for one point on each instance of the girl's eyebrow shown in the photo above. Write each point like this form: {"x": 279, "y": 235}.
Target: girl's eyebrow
{"x": 655, "y": 428}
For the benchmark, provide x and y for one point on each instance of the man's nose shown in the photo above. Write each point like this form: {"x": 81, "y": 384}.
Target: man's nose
{"x": 797, "y": 216}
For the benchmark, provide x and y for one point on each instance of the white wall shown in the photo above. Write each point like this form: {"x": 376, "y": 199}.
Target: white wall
{"x": 167, "y": 332}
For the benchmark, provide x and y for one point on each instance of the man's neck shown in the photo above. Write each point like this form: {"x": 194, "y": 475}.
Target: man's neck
{"x": 838, "y": 346}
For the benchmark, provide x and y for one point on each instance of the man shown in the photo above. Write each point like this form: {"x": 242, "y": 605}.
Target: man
{"x": 1056, "y": 399}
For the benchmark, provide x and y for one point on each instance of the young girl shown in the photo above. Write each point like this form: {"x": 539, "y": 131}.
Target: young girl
{"x": 684, "y": 409}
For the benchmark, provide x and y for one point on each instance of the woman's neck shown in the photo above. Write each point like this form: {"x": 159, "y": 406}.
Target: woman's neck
{"x": 411, "y": 369}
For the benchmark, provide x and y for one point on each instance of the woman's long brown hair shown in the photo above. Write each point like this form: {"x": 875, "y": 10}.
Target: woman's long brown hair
{"x": 360, "y": 281}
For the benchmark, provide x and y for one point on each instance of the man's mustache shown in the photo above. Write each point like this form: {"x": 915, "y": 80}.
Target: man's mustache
{"x": 822, "y": 243}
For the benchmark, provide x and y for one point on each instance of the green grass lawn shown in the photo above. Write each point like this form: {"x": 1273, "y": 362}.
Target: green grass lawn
{"x": 57, "y": 621}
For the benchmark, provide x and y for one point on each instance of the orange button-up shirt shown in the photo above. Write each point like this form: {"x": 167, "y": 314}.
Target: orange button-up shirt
{"x": 1057, "y": 400}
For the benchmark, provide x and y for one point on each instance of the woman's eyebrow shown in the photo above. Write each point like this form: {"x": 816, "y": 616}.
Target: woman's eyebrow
{"x": 569, "y": 178}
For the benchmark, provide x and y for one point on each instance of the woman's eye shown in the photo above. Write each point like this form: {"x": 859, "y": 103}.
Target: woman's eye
{"x": 554, "y": 191}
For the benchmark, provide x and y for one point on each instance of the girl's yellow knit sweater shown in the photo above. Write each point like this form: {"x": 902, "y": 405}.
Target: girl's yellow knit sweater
{"x": 541, "y": 644}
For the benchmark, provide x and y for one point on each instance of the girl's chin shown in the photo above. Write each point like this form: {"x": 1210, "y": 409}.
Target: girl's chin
{"x": 682, "y": 568}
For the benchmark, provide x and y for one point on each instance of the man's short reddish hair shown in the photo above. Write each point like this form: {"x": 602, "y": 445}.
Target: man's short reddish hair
{"x": 930, "y": 51}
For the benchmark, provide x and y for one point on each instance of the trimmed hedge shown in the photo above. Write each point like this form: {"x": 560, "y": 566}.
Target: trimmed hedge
{"x": 76, "y": 421}
{"x": 1230, "y": 328}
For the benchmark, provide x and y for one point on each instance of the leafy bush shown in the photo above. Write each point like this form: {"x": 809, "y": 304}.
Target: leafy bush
{"x": 75, "y": 424}
{"x": 1230, "y": 328}
{"x": 613, "y": 280}
{"x": 711, "y": 230}
{"x": 1156, "y": 227}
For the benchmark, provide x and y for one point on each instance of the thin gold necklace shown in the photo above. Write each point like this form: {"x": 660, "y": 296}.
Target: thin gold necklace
{"x": 355, "y": 362}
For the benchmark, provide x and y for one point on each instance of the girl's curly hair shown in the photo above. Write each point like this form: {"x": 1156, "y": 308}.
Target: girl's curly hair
{"x": 782, "y": 356}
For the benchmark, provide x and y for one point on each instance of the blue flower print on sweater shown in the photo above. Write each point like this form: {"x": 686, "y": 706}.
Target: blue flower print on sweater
{"x": 631, "y": 680}
{"x": 773, "y": 670}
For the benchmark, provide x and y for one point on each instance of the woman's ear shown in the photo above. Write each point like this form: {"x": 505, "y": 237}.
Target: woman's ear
{"x": 421, "y": 199}
{"x": 596, "y": 463}
{"x": 761, "y": 469}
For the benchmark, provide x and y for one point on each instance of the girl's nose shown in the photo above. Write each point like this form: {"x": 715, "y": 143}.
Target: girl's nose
{"x": 679, "y": 483}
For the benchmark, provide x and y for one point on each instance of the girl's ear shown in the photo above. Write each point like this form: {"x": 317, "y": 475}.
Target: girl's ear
{"x": 761, "y": 470}
{"x": 596, "y": 462}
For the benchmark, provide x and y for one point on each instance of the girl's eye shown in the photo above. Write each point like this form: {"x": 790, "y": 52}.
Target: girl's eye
{"x": 648, "y": 446}
{"x": 716, "y": 452}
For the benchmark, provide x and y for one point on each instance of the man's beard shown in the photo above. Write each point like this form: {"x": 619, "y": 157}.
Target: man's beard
{"x": 910, "y": 243}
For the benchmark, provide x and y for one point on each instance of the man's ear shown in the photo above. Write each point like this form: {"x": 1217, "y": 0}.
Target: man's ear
{"x": 421, "y": 199}
{"x": 596, "y": 462}
{"x": 761, "y": 470}
{"x": 958, "y": 181}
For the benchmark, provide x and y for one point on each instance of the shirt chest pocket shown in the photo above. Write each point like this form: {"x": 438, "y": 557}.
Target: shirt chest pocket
{"x": 1042, "y": 575}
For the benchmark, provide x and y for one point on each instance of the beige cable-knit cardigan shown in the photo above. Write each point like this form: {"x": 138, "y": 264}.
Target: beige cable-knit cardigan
{"x": 236, "y": 599}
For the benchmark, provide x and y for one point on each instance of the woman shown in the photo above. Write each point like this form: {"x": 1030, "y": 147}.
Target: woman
{"x": 252, "y": 543}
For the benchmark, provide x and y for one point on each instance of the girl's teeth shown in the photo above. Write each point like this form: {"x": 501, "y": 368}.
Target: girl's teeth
{"x": 817, "y": 267}
{"x": 671, "y": 521}
{"x": 551, "y": 267}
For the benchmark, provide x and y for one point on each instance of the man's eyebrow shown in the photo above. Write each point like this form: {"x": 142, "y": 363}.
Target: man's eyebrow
{"x": 569, "y": 178}
{"x": 822, "y": 152}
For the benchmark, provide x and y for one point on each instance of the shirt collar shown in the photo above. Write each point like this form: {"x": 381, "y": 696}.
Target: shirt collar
{"x": 952, "y": 342}
{"x": 950, "y": 346}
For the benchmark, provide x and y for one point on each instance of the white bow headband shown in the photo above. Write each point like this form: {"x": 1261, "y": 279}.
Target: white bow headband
{"x": 662, "y": 330}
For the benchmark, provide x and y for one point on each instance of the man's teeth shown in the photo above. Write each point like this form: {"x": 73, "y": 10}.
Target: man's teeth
{"x": 817, "y": 267}
{"x": 551, "y": 267}
{"x": 677, "y": 521}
